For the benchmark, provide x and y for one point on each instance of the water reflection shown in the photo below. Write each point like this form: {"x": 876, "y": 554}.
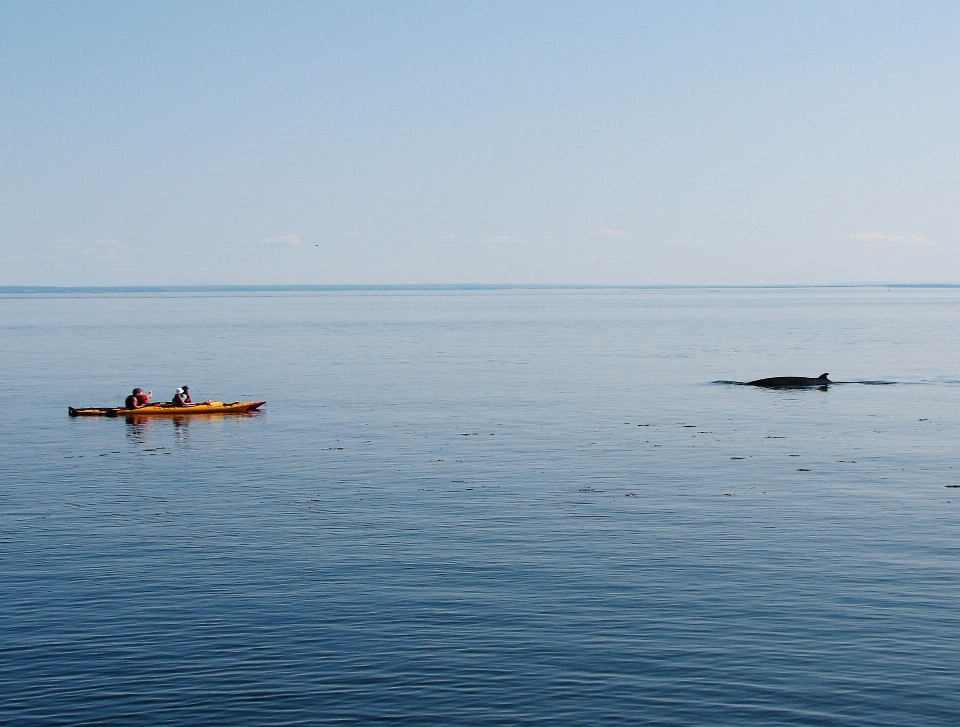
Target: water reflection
{"x": 147, "y": 432}
{"x": 141, "y": 428}
{"x": 138, "y": 429}
{"x": 181, "y": 431}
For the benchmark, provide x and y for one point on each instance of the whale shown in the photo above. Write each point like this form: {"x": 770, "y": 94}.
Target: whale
{"x": 791, "y": 382}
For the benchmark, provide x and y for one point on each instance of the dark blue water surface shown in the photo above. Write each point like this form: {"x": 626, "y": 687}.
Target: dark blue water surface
{"x": 483, "y": 507}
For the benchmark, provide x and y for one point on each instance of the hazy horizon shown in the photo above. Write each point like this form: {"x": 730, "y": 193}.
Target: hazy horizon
{"x": 374, "y": 143}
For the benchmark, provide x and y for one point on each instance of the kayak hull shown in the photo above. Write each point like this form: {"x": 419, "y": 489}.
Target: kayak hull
{"x": 237, "y": 407}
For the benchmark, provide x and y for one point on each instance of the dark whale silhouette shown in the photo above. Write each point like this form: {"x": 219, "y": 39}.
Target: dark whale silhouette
{"x": 791, "y": 382}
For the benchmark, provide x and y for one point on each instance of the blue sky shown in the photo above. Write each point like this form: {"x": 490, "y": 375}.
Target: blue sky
{"x": 488, "y": 142}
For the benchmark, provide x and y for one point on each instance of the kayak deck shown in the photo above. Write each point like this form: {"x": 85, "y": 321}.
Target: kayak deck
{"x": 213, "y": 407}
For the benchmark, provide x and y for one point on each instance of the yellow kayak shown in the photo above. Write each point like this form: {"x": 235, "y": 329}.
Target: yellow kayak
{"x": 207, "y": 407}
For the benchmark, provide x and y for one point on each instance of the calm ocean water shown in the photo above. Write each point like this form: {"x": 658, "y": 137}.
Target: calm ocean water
{"x": 483, "y": 507}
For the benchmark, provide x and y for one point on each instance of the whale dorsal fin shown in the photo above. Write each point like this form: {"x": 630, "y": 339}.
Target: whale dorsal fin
{"x": 824, "y": 376}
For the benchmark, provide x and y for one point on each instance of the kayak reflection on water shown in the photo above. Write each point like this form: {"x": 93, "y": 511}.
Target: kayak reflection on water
{"x": 142, "y": 429}
{"x": 138, "y": 428}
{"x": 181, "y": 431}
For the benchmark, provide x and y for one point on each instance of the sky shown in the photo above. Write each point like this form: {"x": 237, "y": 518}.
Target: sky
{"x": 621, "y": 143}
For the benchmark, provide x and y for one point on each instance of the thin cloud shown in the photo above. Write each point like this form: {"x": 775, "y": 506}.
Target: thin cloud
{"x": 880, "y": 238}
{"x": 679, "y": 241}
{"x": 104, "y": 248}
{"x": 106, "y": 251}
{"x": 447, "y": 241}
{"x": 610, "y": 232}
{"x": 282, "y": 240}
{"x": 503, "y": 240}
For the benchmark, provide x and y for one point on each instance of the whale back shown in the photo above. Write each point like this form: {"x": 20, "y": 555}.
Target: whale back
{"x": 791, "y": 382}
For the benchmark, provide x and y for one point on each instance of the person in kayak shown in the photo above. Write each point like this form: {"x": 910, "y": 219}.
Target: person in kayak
{"x": 182, "y": 397}
{"x": 138, "y": 400}
{"x": 187, "y": 401}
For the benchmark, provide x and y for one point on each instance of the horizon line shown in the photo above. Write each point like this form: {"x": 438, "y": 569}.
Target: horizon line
{"x": 23, "y": 289}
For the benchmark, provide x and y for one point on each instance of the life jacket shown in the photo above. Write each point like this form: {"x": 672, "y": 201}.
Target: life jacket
{"x": 130, "y": 402}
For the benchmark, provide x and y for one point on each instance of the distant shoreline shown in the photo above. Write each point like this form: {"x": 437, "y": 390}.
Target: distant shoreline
{"x": 28, "y": 289}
